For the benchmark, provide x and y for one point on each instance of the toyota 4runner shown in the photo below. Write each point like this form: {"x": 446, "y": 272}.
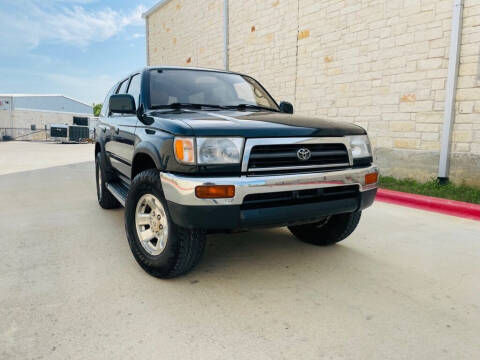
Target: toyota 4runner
{"x": 191, "y": 151}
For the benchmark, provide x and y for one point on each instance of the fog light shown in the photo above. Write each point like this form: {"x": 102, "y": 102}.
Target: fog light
{"x": 215, "y": 191}
{"x": 371, "y": 178}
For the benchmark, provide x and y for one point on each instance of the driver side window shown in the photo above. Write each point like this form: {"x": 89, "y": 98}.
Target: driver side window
{"x": 134, "y": 88}
{"x": 120, "y": 89}
{"x": 105, "y": 107}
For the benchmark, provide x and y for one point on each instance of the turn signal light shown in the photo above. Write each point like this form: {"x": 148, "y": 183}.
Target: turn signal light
{"x": 184, "y": 150}
{"x": 371, "y": 178}
{"x": 215, "y": 191}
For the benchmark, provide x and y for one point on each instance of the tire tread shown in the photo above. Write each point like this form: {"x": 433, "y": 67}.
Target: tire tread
{"x": 338, "y": 228}
{"x": 188, "y": 245}
{"x": 107, "y": 201}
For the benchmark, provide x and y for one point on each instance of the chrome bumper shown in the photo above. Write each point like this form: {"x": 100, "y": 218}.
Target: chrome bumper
{"x": 180, "y": 189}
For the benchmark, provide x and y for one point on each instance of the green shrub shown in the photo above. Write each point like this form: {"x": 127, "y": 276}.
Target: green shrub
{"x": 433, "y": 188}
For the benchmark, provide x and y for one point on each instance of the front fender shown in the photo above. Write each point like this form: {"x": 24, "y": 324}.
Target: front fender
{"x": 158, "y": 145}
{"x": 147, "y": 148}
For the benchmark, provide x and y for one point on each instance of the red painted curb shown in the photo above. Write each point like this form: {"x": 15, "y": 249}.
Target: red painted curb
{"x": 444, "y": 206}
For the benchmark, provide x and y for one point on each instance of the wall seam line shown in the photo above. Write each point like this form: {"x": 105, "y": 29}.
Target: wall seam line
{"x": 296, "y": 55}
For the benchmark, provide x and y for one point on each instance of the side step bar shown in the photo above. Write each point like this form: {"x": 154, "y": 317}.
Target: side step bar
{"x": 118, "y": 190}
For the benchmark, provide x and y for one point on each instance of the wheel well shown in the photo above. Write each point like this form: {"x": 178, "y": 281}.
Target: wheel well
{"x": 142, "y": 162}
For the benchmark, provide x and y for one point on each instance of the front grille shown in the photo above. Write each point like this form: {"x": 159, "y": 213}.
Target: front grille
{"x": 298, "y": 197}
{"x": 284, "y": 158}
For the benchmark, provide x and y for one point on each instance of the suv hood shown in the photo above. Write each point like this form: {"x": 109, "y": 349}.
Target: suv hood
{"x": 248, "y": 124}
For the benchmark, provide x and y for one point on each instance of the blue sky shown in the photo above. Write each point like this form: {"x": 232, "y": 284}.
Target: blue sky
{"x": 78, "y": 48}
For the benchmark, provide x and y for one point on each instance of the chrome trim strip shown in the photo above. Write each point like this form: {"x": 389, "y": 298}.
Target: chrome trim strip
{"x": 299, "y": 168}
{"x": 180, "y": 189}
{"x": 250, "y": 143}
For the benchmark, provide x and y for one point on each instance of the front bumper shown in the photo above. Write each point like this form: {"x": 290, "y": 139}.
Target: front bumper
{"x": 189, "y": 211}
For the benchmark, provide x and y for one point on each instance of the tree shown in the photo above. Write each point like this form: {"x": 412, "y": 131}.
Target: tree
{"x": 96, "y": 109}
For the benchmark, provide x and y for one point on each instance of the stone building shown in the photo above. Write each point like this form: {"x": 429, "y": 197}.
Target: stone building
{"x": 380, "y": 64}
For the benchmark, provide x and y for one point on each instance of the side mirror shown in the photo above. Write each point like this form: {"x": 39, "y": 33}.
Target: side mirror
{"x": 122, "y": 104}
{"x": 286, "y": 107}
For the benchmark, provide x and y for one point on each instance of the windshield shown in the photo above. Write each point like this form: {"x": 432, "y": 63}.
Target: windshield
{"x": 201, "y": 87}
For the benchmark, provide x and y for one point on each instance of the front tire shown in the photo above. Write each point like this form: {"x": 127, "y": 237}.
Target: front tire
{"x": 329, "y": 231}
{"x": 162, "y": 248}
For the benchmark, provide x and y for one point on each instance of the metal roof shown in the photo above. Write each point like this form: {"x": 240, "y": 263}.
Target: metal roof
{"x": 45, "y": 95}
{"x": 24, "y": 95}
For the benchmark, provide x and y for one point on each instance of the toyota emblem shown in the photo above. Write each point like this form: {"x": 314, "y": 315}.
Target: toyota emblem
{"x": 304, "y": 154}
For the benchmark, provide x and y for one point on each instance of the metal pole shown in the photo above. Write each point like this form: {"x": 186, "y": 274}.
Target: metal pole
{"x": 147, "y": 60}
{"x": 11, "y": 116}
{"x": 449, "y": 114}
{"x": 225, "y": 34}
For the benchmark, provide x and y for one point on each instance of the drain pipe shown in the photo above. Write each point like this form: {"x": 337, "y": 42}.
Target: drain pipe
{"x": 147, "y": 37}
{"x": 225, "y": 34}
{"x": 449, "y": 113}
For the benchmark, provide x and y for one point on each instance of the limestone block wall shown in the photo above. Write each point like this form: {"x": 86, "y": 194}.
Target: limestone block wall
{"x": 466, "y": 135}
{"x": 379, "y": 64}
{"x": 186, "y": 33}
{"x": 263, "y": 43}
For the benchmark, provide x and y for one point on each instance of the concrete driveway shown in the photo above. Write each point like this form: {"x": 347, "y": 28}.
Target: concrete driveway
{"x": 405, "y": 285}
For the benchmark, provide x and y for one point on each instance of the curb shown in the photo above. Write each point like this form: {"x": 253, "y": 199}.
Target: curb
{"x": 444, "y": 206}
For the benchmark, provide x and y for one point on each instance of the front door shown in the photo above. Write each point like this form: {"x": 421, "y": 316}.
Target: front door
{"x": 123, "y": 132}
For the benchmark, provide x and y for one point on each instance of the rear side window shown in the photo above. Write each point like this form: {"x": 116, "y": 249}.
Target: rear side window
{"x": 134, "y": 88}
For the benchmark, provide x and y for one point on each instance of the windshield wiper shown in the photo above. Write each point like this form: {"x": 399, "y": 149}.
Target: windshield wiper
{"x": 179, "y": 105}
{"x": 249, "y": 106}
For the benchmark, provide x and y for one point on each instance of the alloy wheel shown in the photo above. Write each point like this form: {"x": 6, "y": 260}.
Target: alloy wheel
{"x": 151, "y": 224}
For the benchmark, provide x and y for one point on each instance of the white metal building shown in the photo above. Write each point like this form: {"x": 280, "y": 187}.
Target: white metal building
{"x": 28, "y": 115}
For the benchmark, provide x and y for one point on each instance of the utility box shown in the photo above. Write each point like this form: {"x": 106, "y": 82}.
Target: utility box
{"x": 59, "y": 131}
{"x": 82, "y": 121}
{"x": 78, "y": 133}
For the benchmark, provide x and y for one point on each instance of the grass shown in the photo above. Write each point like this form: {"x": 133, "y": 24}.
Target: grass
{"x": 432, "y": 188}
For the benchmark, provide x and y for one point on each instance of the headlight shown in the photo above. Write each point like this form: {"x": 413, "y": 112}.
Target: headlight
{"x": 360, "y": 145}
{"x": 218, "y": 150}
{"x": 208, "y": 150}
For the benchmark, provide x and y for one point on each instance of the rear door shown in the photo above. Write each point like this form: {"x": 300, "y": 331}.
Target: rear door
{"x": 103, "y": 126}
{"x": 123, "y": 130}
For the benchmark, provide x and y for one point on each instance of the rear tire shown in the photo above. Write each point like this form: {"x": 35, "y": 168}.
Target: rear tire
{"x": 104, "y": 196}
{"x": 167, "y": 250}
{"x": 329, "y": 231}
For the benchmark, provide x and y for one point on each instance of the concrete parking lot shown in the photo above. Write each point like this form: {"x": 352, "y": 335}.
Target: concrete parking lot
{"x": 405, "y": 285}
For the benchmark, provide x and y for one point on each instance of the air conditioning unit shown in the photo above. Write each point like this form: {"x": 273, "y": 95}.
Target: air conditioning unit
{"x": 59, "y": 131}
{"x": 82, "y": 121}
{"x": 70, "y": 133}
{"x": 78, "y": 133}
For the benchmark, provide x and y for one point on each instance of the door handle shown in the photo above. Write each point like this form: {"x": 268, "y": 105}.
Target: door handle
{"x": 117, "y": 130}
